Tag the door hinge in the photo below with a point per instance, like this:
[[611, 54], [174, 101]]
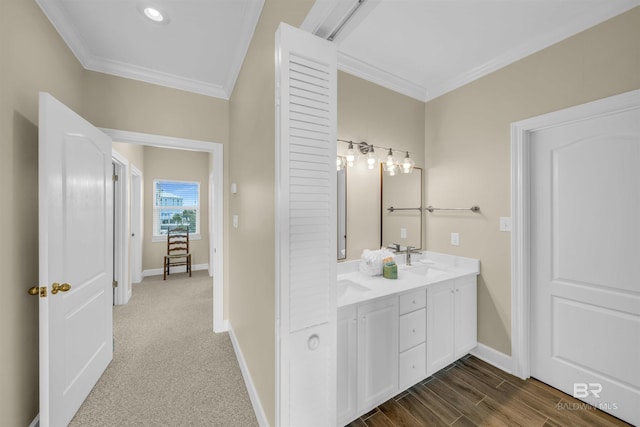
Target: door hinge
[[115, 283], [114, 177]]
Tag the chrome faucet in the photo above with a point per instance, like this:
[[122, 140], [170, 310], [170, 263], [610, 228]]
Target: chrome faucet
[[410, 250]]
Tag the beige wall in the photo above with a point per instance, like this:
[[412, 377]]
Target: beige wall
[[132, 152], [32, 58], [379, 116], [252, 154], [468, 147], [179, 165]]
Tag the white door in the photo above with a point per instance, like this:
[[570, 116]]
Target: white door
[[306, 116], [75, 232], [585, 280]]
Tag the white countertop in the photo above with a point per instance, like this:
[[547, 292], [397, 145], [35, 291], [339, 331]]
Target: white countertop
[[426, 269]]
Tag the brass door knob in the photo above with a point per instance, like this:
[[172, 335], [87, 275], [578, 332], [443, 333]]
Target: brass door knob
[[34, 290], [58, 287]]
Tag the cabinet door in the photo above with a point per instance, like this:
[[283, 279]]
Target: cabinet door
[[466, 309], [440, 326], [347, 367], [377, 352]]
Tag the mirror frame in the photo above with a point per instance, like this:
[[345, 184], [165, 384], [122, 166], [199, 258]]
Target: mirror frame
[[382, 208], [341, 210]]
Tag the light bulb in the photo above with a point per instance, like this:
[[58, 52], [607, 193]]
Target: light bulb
[[407, 164], [339, 163], [351, 155], [371, 158], [390, 160]]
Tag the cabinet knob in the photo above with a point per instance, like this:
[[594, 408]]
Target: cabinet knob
[[314, 342]]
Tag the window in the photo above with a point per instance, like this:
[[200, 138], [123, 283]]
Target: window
[[176, 204]]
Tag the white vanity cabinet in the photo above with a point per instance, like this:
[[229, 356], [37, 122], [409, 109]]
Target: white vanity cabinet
[[451, 321], [377, 352], [412, 340]]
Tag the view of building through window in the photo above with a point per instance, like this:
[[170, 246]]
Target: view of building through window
[[176, 204]]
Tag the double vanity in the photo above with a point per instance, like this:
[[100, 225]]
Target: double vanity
[[393, 333]]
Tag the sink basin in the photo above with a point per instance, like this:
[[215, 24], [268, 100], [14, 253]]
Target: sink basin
[[428, 271], [347, 287]]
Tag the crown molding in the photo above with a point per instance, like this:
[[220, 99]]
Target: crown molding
[[368, 72], [148, 75]]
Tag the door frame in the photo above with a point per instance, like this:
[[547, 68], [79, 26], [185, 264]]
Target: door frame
[[216, 204], [521, 214], [137, 211], [121, 229]]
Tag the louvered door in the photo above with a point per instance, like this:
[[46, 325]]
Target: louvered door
[[305, 229]]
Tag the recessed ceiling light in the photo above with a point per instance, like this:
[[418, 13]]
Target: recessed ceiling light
[[151, 11], [153, 14]]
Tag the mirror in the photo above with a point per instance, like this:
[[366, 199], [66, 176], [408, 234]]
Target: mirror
[[342, 213], [401, 209]]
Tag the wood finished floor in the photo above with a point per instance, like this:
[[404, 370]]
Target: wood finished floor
[[471, 392]]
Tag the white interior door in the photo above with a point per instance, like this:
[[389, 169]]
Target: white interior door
[[585, 281], [306, 116], [75, 232]]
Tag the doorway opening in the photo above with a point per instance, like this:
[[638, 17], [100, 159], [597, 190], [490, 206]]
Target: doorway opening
[[215, 217]]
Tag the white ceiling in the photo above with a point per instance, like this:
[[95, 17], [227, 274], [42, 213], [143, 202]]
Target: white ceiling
[[421, 48], [200, 50], [425, 48]]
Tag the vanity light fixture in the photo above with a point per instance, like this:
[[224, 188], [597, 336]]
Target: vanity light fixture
[[391, 166]]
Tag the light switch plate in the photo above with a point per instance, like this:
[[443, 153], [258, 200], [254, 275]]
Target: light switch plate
[[403, 233], [235, 221], [234, 188], [505, 223], [455, 239]]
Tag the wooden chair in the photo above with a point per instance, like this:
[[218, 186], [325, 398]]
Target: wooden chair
[[177, 250]]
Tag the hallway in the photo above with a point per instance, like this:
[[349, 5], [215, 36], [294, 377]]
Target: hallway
[[169, 368]]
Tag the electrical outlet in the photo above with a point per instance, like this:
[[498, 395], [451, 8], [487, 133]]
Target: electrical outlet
[[505, 223], [403, 233], [455, 239], [235, 221]]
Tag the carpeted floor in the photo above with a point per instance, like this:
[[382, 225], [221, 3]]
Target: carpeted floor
[[169, 368]]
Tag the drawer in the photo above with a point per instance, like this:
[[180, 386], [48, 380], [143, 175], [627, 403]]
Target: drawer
[[413, 301], [412, 366], [413, 329]]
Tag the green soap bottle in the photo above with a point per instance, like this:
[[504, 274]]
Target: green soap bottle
[[390, 270]]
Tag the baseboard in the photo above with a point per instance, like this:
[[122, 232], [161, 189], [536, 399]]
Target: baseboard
[[178, 269], [253, 394], [493, 357], [35, 422]]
